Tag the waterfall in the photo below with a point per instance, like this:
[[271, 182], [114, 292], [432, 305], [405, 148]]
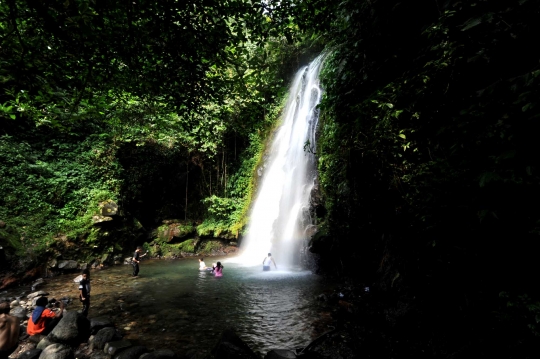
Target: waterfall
[[280, 215]]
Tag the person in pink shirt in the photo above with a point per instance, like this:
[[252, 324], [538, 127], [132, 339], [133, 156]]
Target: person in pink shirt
[[218, 270]]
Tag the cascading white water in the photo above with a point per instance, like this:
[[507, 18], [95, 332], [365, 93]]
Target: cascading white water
[[280, 213]]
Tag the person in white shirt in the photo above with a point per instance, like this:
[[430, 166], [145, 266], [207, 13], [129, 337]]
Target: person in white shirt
[[267, 261], [202, 265]]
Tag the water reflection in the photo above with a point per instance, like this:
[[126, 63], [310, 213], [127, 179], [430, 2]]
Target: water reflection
[[174, 305]]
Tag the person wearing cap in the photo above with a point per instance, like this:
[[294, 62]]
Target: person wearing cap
[[9, 331], [267, 261], [43, 319]]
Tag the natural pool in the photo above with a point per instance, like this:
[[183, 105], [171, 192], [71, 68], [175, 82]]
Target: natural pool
[[174, 305]]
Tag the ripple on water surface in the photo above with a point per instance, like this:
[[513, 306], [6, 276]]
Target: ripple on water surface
[[174, 305]]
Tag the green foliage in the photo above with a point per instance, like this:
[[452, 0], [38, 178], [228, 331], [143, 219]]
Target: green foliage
[[520, 311], [427, 152], [53, 187]]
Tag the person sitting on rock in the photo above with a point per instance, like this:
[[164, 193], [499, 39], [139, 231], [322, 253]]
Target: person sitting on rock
[[43, 319], [9, 331]]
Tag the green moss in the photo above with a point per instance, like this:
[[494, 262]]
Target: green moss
[[210, 246], [187, 246]]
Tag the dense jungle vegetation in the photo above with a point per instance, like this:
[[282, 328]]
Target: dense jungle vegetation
[[428, 152]]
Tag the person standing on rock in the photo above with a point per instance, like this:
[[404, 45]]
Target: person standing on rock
[[136, 260], [84, 292], [9, 331], [267, 261], [43, 319]]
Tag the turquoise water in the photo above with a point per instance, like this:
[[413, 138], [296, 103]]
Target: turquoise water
[[174, 305]]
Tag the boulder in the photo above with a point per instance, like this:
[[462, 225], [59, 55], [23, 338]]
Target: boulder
[[35, 338], [333, 345], [131, 353], [99, 323], [111, 348], [57, 351], [160, 354], [280, 354], [37, 294], [72, 329], [43, 343], [231, 346], [99, 219], [30, 354], [108, 208], [68, 264], [99, 355], [18, 312], [104, 336]]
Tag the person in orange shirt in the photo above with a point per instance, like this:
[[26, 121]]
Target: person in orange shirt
[[42, 319]]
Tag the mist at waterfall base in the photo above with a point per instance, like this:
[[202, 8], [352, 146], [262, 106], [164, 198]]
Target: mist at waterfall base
[[280, 219]]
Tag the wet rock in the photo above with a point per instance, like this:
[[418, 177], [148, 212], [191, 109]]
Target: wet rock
[[231, 346], [40, 293], [18, 312], [160, 354], [111, 348], [38, 282], [333, 345], [99, 323], [99, 355], [43, 343], [108, 208], [52, 263], [68, 264], [57, 351], [280, 354], [104, 336], [131, 353], [35, 338], [72, 329], [99, 219], [30, 354]]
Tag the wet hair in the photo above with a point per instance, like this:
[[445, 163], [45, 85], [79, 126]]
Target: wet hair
[[42, 301], [269, 254], [87, 272], [4, 308], [139, 247], [201, 259], [218, 265]]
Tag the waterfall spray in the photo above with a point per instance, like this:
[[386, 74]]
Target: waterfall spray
[[281, 211]]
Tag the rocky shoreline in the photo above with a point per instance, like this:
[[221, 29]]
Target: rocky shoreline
[[100, 338]]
